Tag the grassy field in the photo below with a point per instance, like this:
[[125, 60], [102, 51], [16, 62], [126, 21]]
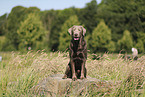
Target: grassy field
[[21, 72]]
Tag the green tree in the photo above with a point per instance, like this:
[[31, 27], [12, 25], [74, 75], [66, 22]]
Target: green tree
[[101, 38], [3, 19], [122, 15], [14, 19], [31, 33], [88, 15], [126, 41], [13, 22], [2, 42], [140, 41], [140, 46], [64, 39], [141, 36]]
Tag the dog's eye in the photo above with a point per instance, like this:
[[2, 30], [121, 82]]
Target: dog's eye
[[74, 29]]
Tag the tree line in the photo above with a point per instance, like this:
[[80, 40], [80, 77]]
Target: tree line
[[112, 25]]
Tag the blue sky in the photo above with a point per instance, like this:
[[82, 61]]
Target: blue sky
[[7, 5]]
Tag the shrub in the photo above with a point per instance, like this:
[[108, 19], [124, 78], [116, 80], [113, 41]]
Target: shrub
[[126, 41], [101, 38]]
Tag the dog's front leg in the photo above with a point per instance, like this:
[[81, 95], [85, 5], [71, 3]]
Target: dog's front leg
[[83, 69], [73, 70]]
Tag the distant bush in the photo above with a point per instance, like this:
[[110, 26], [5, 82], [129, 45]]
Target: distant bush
[[126, 41], [140, 46], [2, 41], [5, 45]]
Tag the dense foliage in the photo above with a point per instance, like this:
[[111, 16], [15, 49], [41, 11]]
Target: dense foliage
[[126, 41], [31, 33], [101, 38], [120, 18]]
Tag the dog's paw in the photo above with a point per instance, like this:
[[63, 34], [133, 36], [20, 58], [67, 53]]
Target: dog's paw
[[74, 78], [64, 77], [82, 77]]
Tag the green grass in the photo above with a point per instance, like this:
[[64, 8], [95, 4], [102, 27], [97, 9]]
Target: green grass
[[21, 72]]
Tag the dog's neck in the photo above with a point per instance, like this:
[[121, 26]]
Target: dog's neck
[[77, 45]]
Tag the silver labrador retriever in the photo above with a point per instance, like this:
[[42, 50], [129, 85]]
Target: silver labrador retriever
[[78, 54]]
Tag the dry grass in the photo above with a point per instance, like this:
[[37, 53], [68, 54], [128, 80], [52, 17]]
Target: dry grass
[[20, 72]]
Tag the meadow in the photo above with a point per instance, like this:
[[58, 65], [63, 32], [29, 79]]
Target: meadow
[[20, 72]]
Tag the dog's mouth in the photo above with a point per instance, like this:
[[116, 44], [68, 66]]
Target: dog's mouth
[[76, 38]]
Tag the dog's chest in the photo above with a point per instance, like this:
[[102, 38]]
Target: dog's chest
[[78, 55], [77, 51]]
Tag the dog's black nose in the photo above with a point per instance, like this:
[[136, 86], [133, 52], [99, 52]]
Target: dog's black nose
[[76, 35]]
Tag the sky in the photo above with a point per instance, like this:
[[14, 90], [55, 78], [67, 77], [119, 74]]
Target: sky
[[7, 5]]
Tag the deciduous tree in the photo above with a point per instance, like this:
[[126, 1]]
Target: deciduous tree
[[126, 41], [101, 38], [88, 16], [17, 15], [31, 33], [140, 46]]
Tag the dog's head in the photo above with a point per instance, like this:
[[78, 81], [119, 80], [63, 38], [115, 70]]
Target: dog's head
[[77, 32]]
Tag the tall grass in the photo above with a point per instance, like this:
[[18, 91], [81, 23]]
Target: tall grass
[[21, 72]]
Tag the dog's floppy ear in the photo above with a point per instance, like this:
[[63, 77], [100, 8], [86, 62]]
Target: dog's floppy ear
[[84, 30], [70, 30]]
